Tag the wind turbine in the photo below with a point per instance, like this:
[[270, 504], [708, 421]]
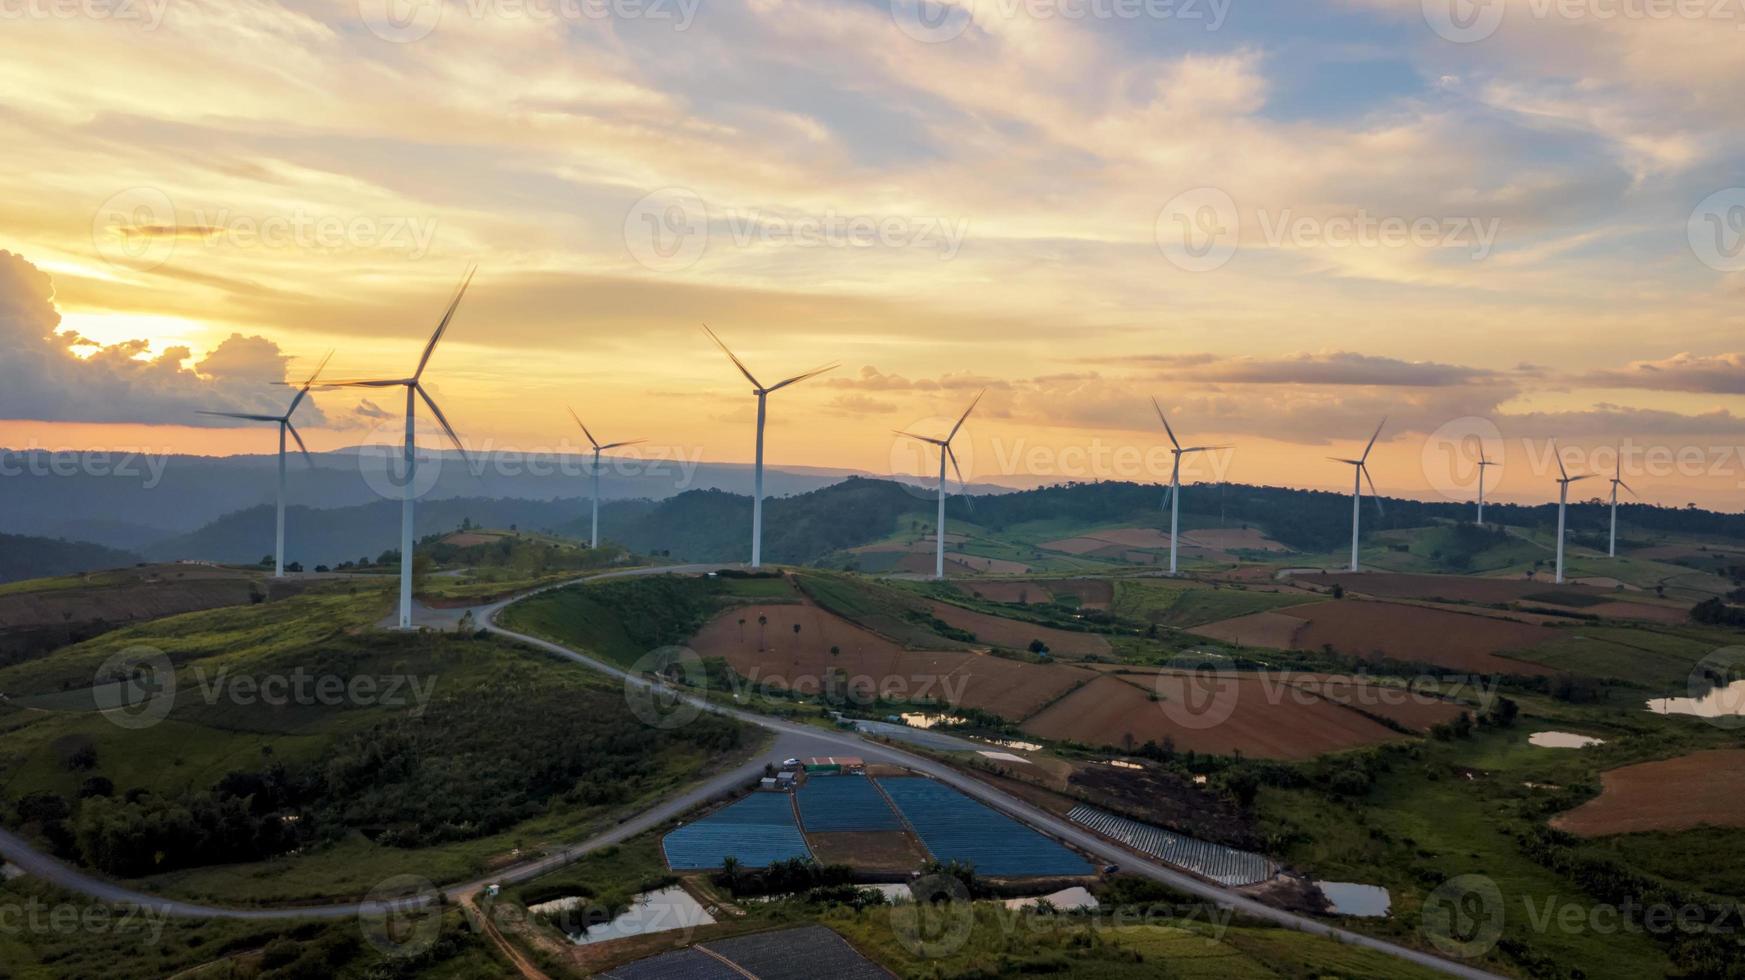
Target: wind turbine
[[762, 394], [1360, 474], [285, 426], [1172, 498], [944, 454], [1617, 481], [594, 540], [1563, 482], [1483, 464], [413, 388]]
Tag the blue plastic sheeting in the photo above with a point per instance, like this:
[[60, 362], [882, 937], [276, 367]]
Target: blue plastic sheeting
[[829, 804], [957, 828], [758, 831]]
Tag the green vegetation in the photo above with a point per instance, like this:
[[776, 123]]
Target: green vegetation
[[885, 608], [23, 557], [620, 620], [1186, 604]]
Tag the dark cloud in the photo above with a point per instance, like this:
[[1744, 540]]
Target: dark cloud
[[42, 378], [1720, 374], [1333, 368]]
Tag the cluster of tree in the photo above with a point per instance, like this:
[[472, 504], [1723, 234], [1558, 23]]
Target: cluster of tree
[[791, 877], [24, 557], [1717, 612], [528, 556]]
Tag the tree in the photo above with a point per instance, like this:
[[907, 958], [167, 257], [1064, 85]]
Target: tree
[[1037, 646], [796, 636], [762, 622]]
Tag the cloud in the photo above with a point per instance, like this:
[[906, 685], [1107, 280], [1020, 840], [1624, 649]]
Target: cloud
[[1719, 374], [1329, 368], [43, 378], [858, 405]]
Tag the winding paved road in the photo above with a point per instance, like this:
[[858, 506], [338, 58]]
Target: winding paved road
[[790, 740]]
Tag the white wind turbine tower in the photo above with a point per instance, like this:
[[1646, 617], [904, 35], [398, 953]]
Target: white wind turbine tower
[[944, 454], [594, 539], [1172, 498], [284, 422], [1617, 481], [762, 394], [1563, 482], [1360, 474], [1483, 464], [414, 390]]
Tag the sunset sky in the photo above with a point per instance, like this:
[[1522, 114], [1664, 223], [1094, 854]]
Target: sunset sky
[[1282, 219]]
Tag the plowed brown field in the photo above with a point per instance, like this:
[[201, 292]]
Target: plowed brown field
[[1237, 713], [1703, 788], [866, 661], [1013, 635], [1418, 634]]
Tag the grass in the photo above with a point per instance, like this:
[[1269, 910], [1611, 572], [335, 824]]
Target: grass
[[1658, 658], [1185, 604]]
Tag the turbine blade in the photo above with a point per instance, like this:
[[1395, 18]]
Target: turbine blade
[[1160, 417], [1373, 438], [303, 392], [318, 369], [911, 435], [962, 486], [1347, 462], [736, 361], [442, 328], [965, 415], [1168, 494], [444, 420], [1557, 454], [1373, 493], [240, 415], [373, 383], [1203, 449], [591, 440], [310, 460], [796, 379], [620, 445]]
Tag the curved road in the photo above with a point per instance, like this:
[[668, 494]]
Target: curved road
[[790, 740]]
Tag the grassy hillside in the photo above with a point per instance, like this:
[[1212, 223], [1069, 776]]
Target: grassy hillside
[[382, 752]]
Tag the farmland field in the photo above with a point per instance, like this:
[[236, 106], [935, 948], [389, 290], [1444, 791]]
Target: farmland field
[[1014, 635], [1700, 789], [1419, 635]]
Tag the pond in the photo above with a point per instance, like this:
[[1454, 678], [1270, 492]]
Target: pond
[[1719, 702], [651, 912], [1064, 900], [928, 721], [1351, 898], [1563, 740]]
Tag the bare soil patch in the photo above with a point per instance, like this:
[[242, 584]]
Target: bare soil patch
[[1092, 593], [1226, 539], [1031, 593], [1377, 630], [884, 850], [987, 566], [1075, 546], [1700, 789], [866, 662], [1239, 714], [1272, 630], [1014, 635]]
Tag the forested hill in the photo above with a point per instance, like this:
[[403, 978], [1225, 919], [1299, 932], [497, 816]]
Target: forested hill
[[714, 525], [23, 557]]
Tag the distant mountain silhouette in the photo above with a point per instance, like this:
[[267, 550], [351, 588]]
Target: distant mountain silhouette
[[23, 557]]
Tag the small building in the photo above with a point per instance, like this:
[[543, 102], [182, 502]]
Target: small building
[[767, 782], [785, 779]]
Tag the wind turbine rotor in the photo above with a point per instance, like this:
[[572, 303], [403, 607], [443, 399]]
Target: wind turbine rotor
[[442, 328], [756, 385]]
